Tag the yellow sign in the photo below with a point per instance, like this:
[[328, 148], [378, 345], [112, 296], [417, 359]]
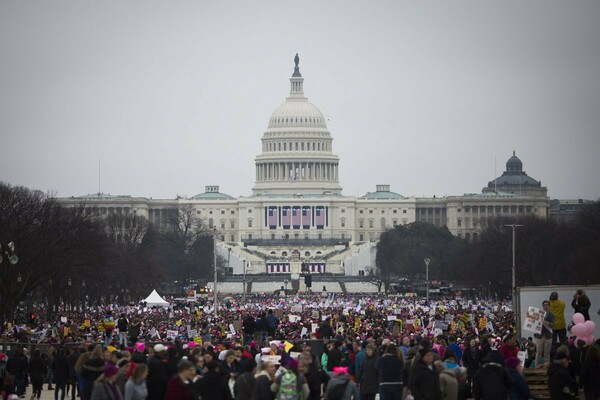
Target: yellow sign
[[288, 346], [198, 341], [482, 323], [87, 323], [178, 323]]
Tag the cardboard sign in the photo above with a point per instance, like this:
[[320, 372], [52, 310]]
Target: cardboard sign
[[522, 355], [533, 320], [273, 359], [172, 334], [293, 318], [314, 327], [192, 333], [304, 332]]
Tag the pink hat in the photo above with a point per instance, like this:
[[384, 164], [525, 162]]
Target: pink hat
[[139, 346]]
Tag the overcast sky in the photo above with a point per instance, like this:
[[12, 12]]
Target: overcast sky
[[175, 95]]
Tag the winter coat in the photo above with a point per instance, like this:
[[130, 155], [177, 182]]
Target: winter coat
[[37, 371], [589, 379], [334, 358], [368, 375], [561, 384], [520, 390], [471, 360], [448, 385], [60, 369], [158, 378], [244, 385], [177, 390], [212, 386], [17, 366], [492, 382], [581, 304], [557, 308], [106, 391], [262, 387], [424, 383], [351, 391], [390, 369]]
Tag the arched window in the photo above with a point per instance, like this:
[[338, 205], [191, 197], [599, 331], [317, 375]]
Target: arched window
[[284, 254], [307, 254]]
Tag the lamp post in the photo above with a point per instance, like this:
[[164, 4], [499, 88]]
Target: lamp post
[[215, 266], [514, 275], [83, 290], [427, 261], [285, 282], [69, 282], [244, 282]]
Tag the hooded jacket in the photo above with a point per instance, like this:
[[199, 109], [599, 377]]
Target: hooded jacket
[[491, 382], [560, 382]]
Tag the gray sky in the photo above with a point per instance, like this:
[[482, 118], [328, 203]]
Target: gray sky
[[175, 95]]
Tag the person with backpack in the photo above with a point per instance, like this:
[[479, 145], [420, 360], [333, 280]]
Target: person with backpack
[[291, 385], [340, 387]]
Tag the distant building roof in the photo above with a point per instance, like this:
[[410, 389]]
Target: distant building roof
[[105, 196], [383, 193], [212, 193]]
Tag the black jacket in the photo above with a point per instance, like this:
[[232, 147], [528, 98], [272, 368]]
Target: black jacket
[[158, 378], [368, 376], [244, 385], [262, 388], [491, 382], [471, 360], [424, 382], [17, 366], [60, 369], [561, 384], [334, 358], [589, 379]]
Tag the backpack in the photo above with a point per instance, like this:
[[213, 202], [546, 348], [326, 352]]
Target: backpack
[[337, 391], [288, 387]]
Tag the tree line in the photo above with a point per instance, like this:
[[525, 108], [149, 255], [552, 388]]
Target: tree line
[[546, 252], [70, 255]]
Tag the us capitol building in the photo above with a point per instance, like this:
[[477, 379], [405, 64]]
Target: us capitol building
[[297, 215]]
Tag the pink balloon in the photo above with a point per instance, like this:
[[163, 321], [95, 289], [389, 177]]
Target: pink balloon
[[579, 330], [578, 318], [590, 340], [590, 326]]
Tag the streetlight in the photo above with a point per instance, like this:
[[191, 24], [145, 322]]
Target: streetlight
[[285, 282], [215, 265], [514, 272], [83, 291], [69, 293], [427, 261], [244, 282]]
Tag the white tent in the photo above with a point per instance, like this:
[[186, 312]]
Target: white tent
[[155, 300]]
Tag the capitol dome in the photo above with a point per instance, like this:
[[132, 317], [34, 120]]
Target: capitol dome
[[297, 114], [297, 156]]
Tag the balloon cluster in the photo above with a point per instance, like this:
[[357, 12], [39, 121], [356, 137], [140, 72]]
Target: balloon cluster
[[583, 330]]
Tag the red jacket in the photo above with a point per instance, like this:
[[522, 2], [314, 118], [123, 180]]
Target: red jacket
[[177, 390]]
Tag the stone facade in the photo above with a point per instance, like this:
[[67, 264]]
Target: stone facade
[[297, 214]]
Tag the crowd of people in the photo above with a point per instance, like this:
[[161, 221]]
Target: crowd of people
[[297, 347]]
